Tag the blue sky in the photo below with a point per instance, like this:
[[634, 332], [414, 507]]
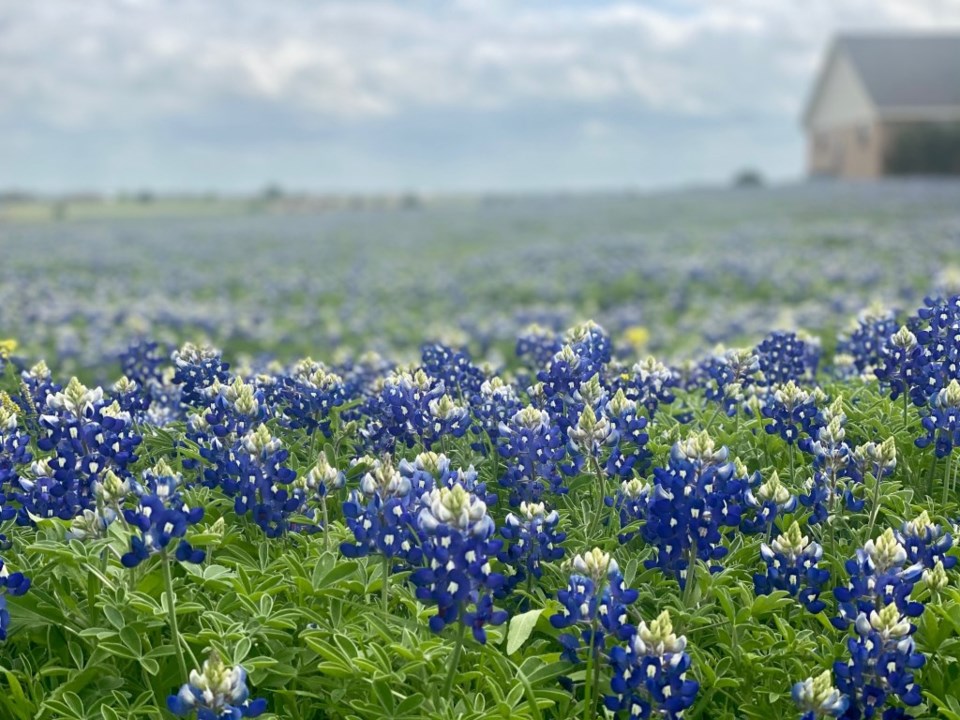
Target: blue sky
[[361, 95]]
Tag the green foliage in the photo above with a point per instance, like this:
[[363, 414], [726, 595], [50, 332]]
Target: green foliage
[[92, 639]]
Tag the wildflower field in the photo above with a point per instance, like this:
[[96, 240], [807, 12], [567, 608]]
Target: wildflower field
[[521, 476]]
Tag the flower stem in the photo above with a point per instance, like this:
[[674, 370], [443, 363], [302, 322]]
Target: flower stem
[[457, 652], [172, 613], [385, 588], [691, 578], [588, 678], [326, 524]]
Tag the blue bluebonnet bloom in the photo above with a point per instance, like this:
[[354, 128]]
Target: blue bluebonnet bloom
[[308, 395], [218, 692], [37, 383], [532, 538], [942, 424], [496, 402], [901, 363], [791, 410], [783, 357], [650, 674], [595, 601], [255, 475], [628, 441], [400, 411], [10, 584], [937, 329], [537, 344], [141, 361], [161, 517], [692, 499], [763, 501], [791, 561], [381, 515], [817, 698], [835, 473], [312, 488], [197, 368], [630, 503], [652, 384], [926, 543], [534, 448], [14, 452], [867, 339], [87, 437], [879, 575], [880, 668], [727, 377], [454, 367], [457, 548]]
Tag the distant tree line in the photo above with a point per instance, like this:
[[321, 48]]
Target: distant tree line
[[928, 149]]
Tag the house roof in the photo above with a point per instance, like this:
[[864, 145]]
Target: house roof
[[901, 73]]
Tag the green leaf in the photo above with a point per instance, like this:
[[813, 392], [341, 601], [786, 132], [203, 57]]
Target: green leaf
[[521, 626]]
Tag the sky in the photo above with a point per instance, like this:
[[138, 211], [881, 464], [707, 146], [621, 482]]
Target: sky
[[430, 96]]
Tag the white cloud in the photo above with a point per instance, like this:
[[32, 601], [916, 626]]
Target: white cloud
[[113, 65]]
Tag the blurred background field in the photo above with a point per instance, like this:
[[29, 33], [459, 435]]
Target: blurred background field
[[670, 273]]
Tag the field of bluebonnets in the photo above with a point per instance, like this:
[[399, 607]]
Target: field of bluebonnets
[[519, 477]]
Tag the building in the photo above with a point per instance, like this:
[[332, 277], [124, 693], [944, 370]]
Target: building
[[875, 91]]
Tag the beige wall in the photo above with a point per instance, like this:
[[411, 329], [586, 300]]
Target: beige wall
[[850, 151]]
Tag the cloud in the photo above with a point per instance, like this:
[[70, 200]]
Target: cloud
[[155, 68]]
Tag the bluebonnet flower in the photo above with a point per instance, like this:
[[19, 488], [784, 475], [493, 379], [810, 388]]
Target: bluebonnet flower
[[400, 411], [628, 441], [835, 472], [88, 437], [161, 517], [430, 470], [532, 538], [496, 402], [381, 515], [14, 452], [197, 367], [901, 363], [447, 418], [942, 424], [791, 561], [590, 434], [537, 344], [880, 668], [457, 547], [37, 383], [10, 584], [454, 367], [926, 543], [727, 377], [763, 501], [817, 698], [560, 382], [692, 499], [650, 674], [630, 503], [652, 384], [533, 446], [218, 692], [783, 357], [879, 575], [308, 395], [595, 601], [313, 487], [141, 361], [791, 410], [254, 474], [867, 339]]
